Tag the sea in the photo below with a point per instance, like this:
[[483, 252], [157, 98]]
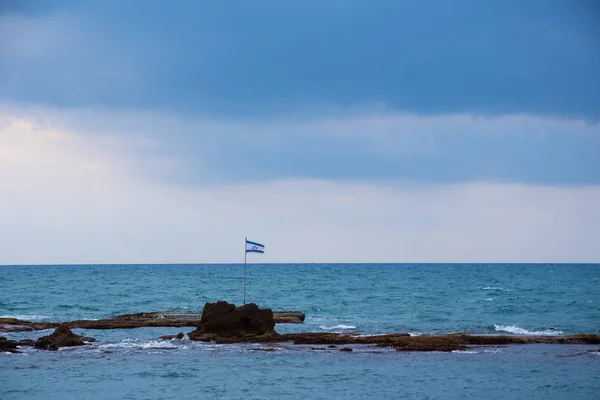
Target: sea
[[360, 299]]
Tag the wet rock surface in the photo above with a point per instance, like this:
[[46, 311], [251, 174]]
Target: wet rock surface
[[448, 342], [62, 337]]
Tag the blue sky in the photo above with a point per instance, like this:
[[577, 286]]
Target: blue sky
[[412, 94]]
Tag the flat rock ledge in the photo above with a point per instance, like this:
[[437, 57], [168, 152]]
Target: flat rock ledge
[[139, 320], [447, 342]]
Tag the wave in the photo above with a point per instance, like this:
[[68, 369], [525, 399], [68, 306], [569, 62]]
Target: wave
[[340, 326], [488, 299], [143, 345], [520, 331], [495, 288], [26, 317]]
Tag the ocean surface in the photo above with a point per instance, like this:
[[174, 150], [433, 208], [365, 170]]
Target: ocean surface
[[353, 298]]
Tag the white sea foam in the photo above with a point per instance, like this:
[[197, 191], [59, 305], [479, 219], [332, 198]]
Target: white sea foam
[[488, 299], [414, 333], [465, 351], [340, 326], [520, 331], [492, 351], [498, 289], [26, 317], [13, 354], [142, 345]]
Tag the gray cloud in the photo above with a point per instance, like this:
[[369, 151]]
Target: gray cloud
[[75, 198]]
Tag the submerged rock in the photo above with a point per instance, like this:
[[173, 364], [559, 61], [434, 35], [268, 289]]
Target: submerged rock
[[62, 337], [224, 322], [8, 346], [180, 335]]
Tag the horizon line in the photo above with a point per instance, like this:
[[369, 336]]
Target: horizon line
[[300, 263]]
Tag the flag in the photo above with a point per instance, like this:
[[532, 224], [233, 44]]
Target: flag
[[253, 247]]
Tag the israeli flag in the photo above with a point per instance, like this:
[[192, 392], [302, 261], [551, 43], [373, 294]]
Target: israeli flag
[[253, 247]]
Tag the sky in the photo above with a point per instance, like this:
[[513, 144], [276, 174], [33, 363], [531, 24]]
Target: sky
[[330, 131]]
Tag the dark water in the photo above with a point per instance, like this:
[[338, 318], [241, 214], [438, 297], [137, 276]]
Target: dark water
[[361, 299]]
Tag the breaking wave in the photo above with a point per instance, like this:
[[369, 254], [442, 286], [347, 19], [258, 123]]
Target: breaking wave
[[26, 317], [340, 326], [520, 331], [143, 345]]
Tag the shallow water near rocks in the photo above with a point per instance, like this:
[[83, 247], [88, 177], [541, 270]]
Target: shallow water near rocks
[[359, 299]]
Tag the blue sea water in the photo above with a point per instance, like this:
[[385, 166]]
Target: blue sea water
[[353, 298]]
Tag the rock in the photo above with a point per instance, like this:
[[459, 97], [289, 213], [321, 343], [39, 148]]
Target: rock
[[180, 335], [62, 337], [8, 346], [225, 323], [27, 342], [346, 349]]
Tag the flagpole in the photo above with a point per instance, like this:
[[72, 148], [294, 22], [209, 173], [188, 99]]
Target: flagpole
[[245, 256]]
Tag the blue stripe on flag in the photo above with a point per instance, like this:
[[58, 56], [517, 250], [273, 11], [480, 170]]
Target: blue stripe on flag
[[254, 243], [255, 251]]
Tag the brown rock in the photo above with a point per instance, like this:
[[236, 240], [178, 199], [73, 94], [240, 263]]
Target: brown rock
[[62, 337], [225, 323]]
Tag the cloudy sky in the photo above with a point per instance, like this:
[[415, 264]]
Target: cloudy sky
[[329, 130]]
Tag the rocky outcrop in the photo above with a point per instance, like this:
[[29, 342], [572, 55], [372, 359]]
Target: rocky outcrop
[[225, 323], [62, 337]]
